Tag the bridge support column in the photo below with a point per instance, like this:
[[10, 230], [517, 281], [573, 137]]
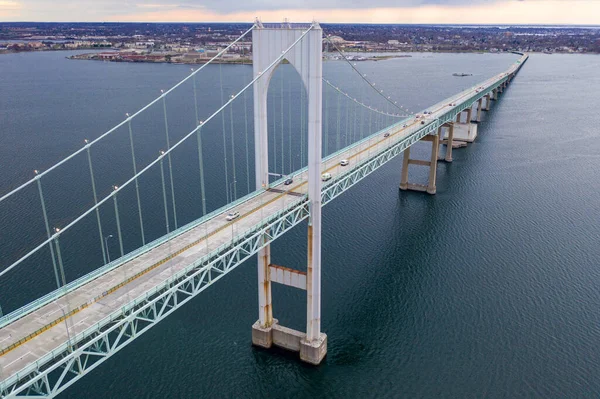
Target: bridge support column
[[404, 177], [487, 102], [479, 108], [448, 140], [435, 148], [432, 163], [306, 57], [495, 94], [469, 119], [262, 330]]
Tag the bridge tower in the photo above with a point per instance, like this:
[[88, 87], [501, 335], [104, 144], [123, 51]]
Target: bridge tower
[[268, 43]]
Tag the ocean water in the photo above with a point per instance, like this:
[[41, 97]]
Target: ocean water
[[487, 289]]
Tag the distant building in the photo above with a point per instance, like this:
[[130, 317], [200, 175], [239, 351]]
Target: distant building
[[393, 42]]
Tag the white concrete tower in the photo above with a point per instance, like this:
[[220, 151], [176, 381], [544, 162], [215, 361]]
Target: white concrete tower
[[268, 43]]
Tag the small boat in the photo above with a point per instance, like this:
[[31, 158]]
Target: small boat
[[462, 74]]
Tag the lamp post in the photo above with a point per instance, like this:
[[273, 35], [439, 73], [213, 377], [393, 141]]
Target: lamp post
[[106, 246], [66, 324]]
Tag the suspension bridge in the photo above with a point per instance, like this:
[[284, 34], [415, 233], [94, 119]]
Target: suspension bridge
[[308, 149]]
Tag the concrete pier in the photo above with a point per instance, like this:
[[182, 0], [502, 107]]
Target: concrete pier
[[447, 138], [311, 352], [465, 132], [430, 188], [479, 108]]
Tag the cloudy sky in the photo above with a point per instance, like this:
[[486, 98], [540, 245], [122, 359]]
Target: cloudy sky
[[584, 12]]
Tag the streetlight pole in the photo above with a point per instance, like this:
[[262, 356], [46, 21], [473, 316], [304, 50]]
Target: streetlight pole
[[106, 245], [66, 324]]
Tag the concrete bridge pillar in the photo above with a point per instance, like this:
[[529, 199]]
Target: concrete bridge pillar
[[268, 44], [487, 101], [479, 108], [495, 94], [430, 188], [448, 140], [469, 119]]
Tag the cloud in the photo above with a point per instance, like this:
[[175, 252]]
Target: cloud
[[501, 12], [353, 11], [10, 5], [9, 9], [154, 5]]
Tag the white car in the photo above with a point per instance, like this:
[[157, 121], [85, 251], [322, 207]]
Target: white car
[[344, 162], [232, 215], [326, 176]]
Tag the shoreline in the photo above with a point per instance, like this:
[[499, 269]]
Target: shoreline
[[389, 54]]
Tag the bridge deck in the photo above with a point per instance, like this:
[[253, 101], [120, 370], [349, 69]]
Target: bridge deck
[[104, 295]]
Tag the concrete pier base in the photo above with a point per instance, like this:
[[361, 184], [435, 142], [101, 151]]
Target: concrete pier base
[[432, 164], [464, 132], [313, 352], [290, 339], [263, 336]]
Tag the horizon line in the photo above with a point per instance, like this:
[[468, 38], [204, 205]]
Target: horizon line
[[320, 22]]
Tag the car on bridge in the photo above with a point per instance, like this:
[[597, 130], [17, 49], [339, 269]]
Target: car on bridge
[[326, 176], [232, 215], [344, 162], [386, 134], [288, 181]]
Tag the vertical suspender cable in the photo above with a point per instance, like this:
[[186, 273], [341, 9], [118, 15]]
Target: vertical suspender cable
[[354, 121], [326, 122], [60, 261], [301, 123], [118, 224], [137, 187], [39, 184], [200, 155], [302, 113], [201, 162], [247, 153], [234, 191], [281, 109], [346, 133], [339, 118], [164, 190], [362, 122], [170, 164], [290, 126], [224, 140], [89, 156], [274, 131]]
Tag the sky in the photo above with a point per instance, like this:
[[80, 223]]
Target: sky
[[578, 12]]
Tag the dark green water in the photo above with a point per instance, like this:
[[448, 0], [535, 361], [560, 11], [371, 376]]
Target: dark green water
[[487, 289]]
